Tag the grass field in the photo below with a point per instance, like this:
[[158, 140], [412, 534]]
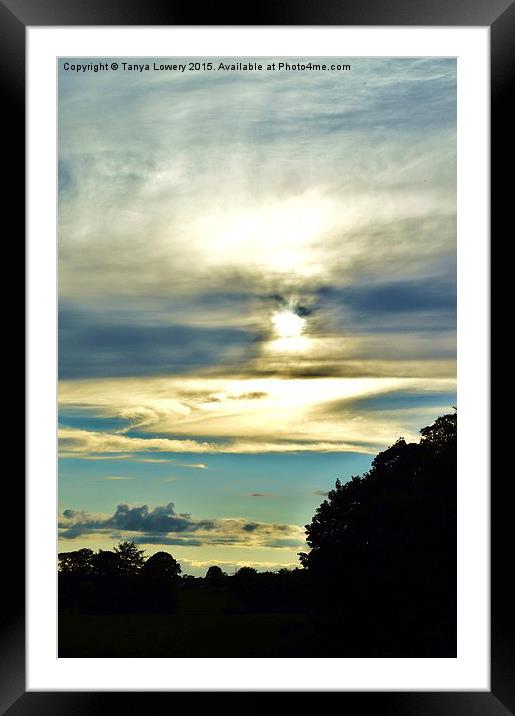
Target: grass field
[[186, 635]]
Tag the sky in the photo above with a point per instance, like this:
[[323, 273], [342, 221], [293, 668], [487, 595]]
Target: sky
[[257, 293]]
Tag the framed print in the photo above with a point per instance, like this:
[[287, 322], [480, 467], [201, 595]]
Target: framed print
[[258, 299]]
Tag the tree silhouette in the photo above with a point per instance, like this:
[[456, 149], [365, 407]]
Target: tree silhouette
[[384, 545], [246, 574], [383, 509], [441, 435], [161, 565], [130, 558], [78, 562], [215, 575], [106, 563]]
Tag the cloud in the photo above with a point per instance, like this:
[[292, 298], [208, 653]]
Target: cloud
[[199, 568], [401, 296], [74, 440], [80, 443], [260, 494], [165, 415], [322, 493], [99, 342], [117, 477], [311, 180], [162, 518], [256, 395], [250, 526], [165, 540], [162, 524], [150, 460]]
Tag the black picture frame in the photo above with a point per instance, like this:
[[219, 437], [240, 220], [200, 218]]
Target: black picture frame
[[499, 16]]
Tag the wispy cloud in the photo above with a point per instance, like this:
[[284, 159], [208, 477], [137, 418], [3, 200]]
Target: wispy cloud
[[293, 415], [117, 477], [318, 182], [78, 442]]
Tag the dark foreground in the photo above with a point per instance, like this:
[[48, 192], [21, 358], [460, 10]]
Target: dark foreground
[[233, 635], [185, 635]]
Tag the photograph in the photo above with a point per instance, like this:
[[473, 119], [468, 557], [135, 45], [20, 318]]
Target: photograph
[[257, 357]]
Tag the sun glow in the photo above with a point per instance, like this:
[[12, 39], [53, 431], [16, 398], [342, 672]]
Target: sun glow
[[288, 324], [277, 236]]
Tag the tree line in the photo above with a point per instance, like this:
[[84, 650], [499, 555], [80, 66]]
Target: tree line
[[124, 561]]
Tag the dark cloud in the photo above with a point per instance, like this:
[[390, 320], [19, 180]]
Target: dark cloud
[[161, 519], [163, 525], [165, 539], [395, 400], [255, 395], [423, 304], [302, 307], [250, 526], [404, 400], [260, 494], [100, 342], [322, 493], [77, 531], [393, 297], [65, 179], [285, 543], [369, 367]]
